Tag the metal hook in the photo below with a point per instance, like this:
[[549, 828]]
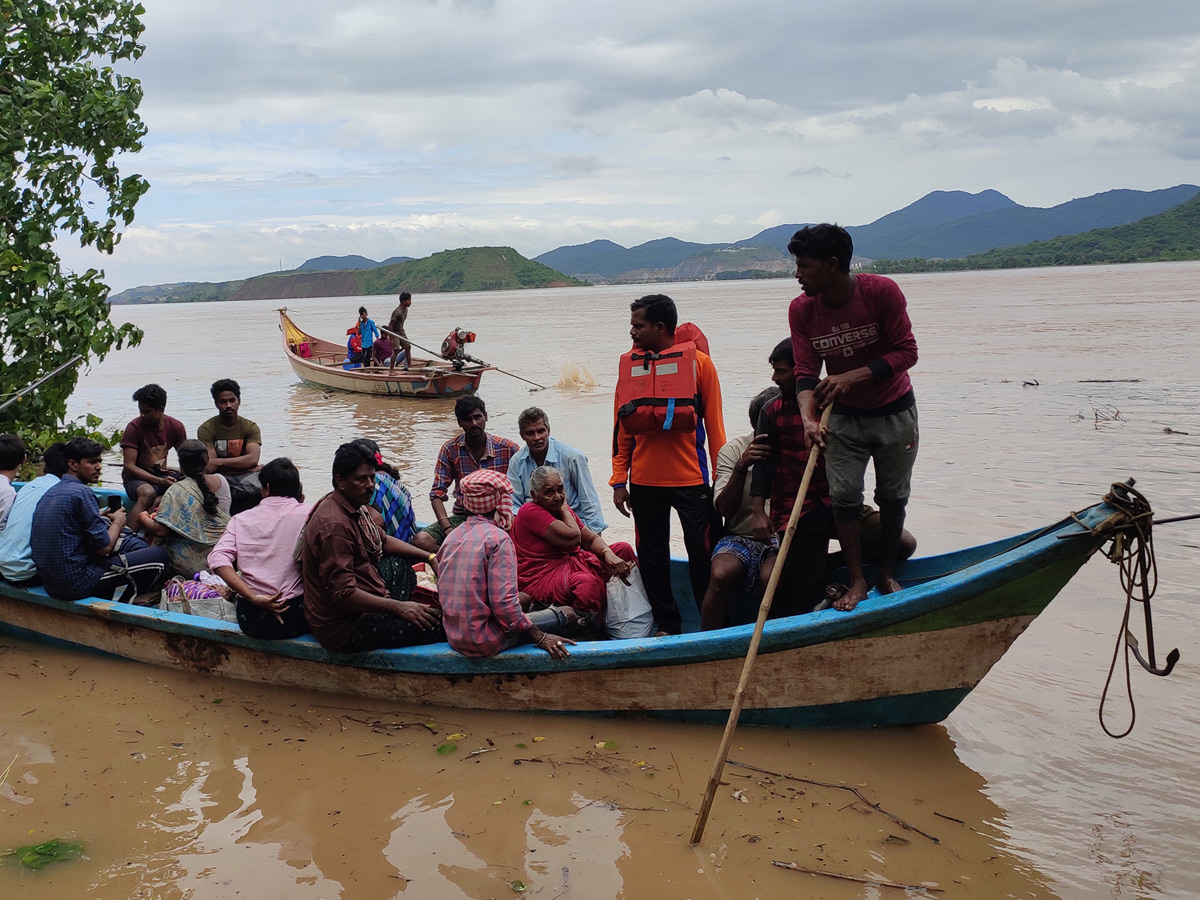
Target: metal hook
[[1172, 657]]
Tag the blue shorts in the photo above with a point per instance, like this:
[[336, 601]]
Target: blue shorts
[[750, 553]]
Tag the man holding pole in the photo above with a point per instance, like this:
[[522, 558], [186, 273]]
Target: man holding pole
[[857, 326], [396, 329]]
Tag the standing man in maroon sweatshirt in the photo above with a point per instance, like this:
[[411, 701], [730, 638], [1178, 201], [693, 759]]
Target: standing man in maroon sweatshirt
[[857, 326]]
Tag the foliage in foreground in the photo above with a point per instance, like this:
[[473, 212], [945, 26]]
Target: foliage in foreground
[[66, 116]]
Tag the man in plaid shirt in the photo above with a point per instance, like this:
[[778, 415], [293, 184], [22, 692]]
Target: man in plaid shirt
[[477, 579], [778, 477], [471, 451]]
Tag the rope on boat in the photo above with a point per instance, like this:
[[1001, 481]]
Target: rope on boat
[[1132, 549]]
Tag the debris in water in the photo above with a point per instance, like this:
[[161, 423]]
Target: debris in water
[[38, 856]]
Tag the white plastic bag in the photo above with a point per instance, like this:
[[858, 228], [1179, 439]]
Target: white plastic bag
[[628, 614]]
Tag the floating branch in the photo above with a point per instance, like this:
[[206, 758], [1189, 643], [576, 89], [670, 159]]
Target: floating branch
[[841, 787], [872, 881]]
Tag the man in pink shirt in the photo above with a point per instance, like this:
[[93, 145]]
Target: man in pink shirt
[[857, 326], [477, 578], [256, 557]]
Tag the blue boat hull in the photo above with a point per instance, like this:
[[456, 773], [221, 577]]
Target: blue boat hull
[[907, 658]]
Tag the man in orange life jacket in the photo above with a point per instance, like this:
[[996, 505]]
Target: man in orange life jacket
[[667, 404]]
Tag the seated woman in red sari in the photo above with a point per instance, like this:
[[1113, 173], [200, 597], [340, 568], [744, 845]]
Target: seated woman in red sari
[[560, 561]]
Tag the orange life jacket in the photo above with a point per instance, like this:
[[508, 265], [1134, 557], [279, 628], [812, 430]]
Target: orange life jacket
[[658, 392], [689, 331]]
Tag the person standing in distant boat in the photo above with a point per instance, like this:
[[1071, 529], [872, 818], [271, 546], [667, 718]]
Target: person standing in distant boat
[[857, 326], [399, 336], [368, 333]]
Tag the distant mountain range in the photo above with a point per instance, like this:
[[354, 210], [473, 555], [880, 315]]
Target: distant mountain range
[[943, 224], [1170, 235], [470, 269]]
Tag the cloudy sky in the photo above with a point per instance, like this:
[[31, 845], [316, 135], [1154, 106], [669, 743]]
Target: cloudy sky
[[284, 130]]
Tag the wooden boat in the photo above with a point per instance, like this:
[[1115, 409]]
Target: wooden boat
[[321, 363], [907, 658]]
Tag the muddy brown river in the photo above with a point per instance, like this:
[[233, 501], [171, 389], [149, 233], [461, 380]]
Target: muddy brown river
[[1036, 389]]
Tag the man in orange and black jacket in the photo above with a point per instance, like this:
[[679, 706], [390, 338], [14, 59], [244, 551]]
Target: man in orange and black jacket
[[667, 406]]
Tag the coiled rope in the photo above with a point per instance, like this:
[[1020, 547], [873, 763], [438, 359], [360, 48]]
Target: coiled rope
[[1132, 549]]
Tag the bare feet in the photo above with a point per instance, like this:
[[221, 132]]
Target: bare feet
[[852, 597], [887, 584]]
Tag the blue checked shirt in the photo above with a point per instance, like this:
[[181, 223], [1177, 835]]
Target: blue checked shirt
[[68, 535], [572, 464]]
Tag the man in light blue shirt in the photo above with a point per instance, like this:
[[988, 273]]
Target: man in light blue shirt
[[542, 450], [16, 557]]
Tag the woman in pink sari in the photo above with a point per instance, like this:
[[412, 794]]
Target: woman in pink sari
[[560, 561]]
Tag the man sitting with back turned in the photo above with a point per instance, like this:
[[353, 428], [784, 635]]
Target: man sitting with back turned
[[471, 451], [78, 551], [144, 447], [16, 556], [256, 557], [346, 602], [542, 450], [234, 445]]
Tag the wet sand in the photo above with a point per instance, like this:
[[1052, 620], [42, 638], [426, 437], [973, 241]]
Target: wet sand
[[188, 786], [185, 786]]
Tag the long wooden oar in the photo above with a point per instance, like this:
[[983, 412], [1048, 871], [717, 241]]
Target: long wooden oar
[[540, 387], [764, 608]]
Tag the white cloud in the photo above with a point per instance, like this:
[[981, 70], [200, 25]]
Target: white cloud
[[407, 126]]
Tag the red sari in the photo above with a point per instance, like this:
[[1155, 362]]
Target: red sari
[[574, 578]]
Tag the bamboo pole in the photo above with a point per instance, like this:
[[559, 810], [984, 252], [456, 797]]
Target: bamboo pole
[[764, 608]]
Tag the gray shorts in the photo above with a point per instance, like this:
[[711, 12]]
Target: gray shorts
[[891, 441]]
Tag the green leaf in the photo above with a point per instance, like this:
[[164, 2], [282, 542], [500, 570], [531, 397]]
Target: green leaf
[[66, 117], [446, 749], [38, 856]]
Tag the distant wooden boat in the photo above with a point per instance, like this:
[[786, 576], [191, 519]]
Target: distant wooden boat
[[322, 363], [907, 658]]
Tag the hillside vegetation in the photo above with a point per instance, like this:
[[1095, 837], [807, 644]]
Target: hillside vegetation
[[470, 269], [1170, 235]]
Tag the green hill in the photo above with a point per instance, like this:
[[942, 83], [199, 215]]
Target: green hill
[[470, 269], [1170, 235]]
